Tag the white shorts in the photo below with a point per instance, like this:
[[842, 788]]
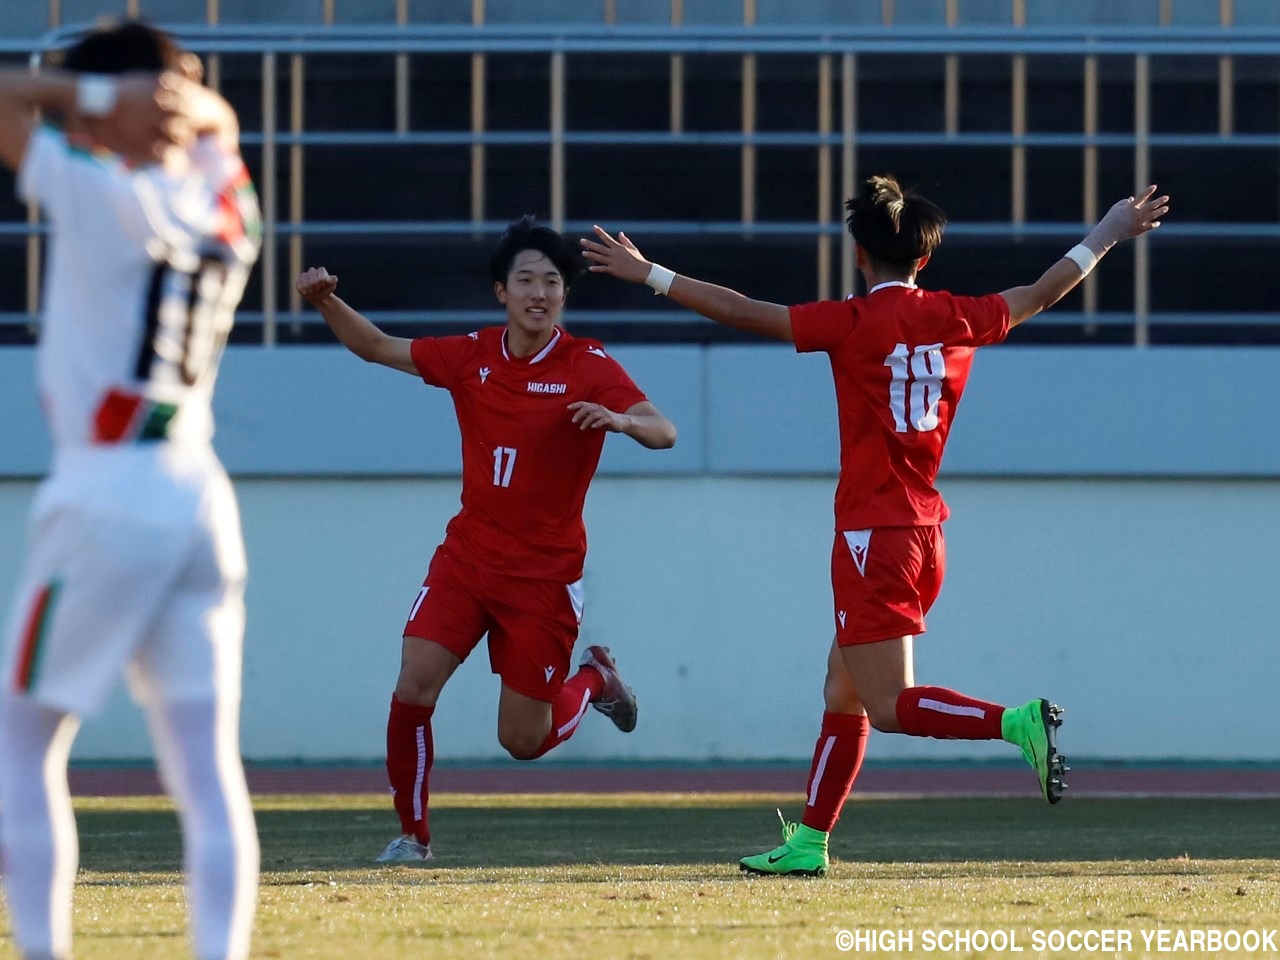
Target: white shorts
[[135, 562]]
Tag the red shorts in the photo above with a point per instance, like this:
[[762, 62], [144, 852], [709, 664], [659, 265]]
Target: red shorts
[[532, 624], [884, 581]]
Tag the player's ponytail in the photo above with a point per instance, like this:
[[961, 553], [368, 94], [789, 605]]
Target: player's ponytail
[[894, 226]]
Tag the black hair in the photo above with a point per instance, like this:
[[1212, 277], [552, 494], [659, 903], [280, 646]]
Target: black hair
[[894, 226], [125, 47], [527, 234]]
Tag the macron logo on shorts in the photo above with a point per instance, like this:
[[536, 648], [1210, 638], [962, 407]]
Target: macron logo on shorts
[[550, 672], [859, 542], [840, 616]]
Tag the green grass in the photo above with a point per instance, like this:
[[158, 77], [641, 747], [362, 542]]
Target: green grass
[[655, 875]]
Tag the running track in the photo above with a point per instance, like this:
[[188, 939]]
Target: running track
[[1246, 781]]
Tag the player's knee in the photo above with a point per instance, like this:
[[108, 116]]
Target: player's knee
[[521, 744], [884, 715], [416, 690], [839, 695]]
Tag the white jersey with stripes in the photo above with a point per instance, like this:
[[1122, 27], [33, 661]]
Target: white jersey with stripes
[[145, 270]]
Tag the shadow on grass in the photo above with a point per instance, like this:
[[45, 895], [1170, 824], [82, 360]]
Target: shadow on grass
[[924, 831]]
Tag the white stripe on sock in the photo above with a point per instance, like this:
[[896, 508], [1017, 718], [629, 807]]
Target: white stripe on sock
[[954, 709], [817, 774], [420, 734], [582, 708]]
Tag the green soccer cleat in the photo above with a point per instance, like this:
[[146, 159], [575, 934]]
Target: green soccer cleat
[[803, 854], [1033, 728]]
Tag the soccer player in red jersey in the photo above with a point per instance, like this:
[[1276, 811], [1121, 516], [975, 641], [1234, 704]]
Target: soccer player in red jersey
[[533, 404], [900, 357]]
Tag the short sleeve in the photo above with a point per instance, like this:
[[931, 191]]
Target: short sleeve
[[611, 385], [821, 326], [41, 165], [986, 317], [438, 359], [75, 185], [222, 168]]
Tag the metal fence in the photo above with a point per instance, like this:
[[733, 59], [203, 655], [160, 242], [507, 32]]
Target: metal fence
[[1229, 60], [37, 15]]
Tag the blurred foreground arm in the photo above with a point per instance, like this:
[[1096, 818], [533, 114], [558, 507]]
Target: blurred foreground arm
[[136, 100], [206, 113]]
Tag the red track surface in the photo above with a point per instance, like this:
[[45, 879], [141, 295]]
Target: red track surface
[[517, 778]]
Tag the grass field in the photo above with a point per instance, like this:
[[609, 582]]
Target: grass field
[[654, 876]]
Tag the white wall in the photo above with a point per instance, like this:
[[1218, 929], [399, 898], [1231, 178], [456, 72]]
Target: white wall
[[757, 409], [1148, 608]]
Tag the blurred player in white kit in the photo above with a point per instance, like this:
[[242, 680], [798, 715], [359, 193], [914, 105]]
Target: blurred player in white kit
[[135, 560]]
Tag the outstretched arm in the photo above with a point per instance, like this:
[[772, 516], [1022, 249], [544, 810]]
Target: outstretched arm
[[621, 258], [1126, 219], [355, 332], [643, 423]]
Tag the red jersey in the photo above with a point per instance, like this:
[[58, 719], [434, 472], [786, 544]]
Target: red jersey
[[900, 357], [525, 465]]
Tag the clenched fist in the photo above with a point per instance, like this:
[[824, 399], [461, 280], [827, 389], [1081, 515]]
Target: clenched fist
[[316, 285]]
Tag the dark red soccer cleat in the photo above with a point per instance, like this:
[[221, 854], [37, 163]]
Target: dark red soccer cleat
[[616, 701]]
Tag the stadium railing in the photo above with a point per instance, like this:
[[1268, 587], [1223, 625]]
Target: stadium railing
[[1084, 58]]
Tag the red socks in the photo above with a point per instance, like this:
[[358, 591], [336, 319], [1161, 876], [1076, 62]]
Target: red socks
[[842, 743], [946, 715], [410, 753], [836, 760], [569, 706], [410, 750]]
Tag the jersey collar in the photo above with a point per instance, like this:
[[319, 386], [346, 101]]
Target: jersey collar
[[892, 283], [540, 355]]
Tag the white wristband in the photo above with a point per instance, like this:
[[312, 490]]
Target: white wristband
[[1083, 257], [95, 95], [660, 279]]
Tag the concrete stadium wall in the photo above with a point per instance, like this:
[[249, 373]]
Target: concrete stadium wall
[[1147, 608], [1112, 547], [1029, 411]]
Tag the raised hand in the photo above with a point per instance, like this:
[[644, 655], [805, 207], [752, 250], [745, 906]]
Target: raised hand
[[1129, 218], [316, 285], [148, 117], [619, 257]]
